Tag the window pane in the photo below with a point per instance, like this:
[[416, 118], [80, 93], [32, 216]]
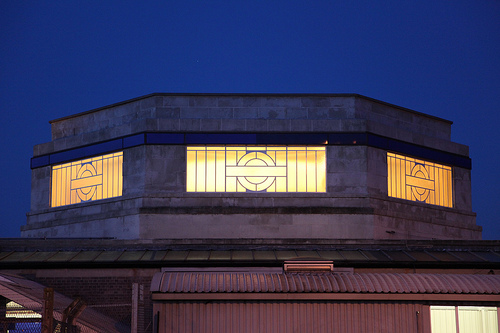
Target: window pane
[[87, 180], [443, 319], [475, 319], [256, 169], [471, 319], [417, 180]]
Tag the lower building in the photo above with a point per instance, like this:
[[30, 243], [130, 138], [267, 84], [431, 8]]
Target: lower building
[[258, 285]]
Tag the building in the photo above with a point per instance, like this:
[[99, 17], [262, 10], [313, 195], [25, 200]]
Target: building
[[256, 212], [160, 189]]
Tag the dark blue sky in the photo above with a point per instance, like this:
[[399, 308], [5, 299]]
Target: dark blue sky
[[439, 57]]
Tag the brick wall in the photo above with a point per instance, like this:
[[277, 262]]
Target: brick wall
[[106, 291]]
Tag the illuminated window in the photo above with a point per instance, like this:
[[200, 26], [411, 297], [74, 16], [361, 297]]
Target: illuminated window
[[475, 319], [256, 169], [86, 180], [14, 310], [17, 318], [417, 180]]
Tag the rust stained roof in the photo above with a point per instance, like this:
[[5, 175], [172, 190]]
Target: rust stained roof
[[260, 282]]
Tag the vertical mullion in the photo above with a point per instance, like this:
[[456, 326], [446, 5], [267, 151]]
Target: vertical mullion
[[286, 174], [120, 174], [316, 167]]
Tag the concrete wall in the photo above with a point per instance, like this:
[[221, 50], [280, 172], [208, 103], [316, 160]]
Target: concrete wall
[[155, 204]]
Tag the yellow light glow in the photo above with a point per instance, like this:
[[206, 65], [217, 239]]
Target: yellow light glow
[[417, 180], [14, 310], [256, 169], [87, 180]]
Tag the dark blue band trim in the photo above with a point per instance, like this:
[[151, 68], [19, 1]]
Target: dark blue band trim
[[221, 138], [40, 161], [358, 139], [134, 140], [77, 153], [165, 138]]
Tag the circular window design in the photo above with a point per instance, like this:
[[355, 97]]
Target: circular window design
[[257, 175], [86, 193], [420, 193]]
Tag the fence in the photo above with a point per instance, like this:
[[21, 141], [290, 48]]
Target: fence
[[15, 318]]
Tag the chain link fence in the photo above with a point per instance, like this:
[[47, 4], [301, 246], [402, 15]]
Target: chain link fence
[[26, 306], [15, 318]]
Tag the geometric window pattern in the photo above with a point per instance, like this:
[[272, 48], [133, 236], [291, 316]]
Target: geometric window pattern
[[87, 180], [255, 169], [418, 180]]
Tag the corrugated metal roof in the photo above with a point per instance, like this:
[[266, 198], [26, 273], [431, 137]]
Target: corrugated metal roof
[[261, 282]]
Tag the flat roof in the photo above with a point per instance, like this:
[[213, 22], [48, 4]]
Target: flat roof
[[67, 252]]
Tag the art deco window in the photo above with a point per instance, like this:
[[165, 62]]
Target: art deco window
[[86, 180], [418, 180], [256, 169]]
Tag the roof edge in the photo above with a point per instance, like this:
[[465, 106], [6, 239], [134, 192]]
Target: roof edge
[[354, 95], [325, 283], [28, 243]]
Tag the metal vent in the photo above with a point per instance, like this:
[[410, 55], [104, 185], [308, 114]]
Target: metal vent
[[308, 266]]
